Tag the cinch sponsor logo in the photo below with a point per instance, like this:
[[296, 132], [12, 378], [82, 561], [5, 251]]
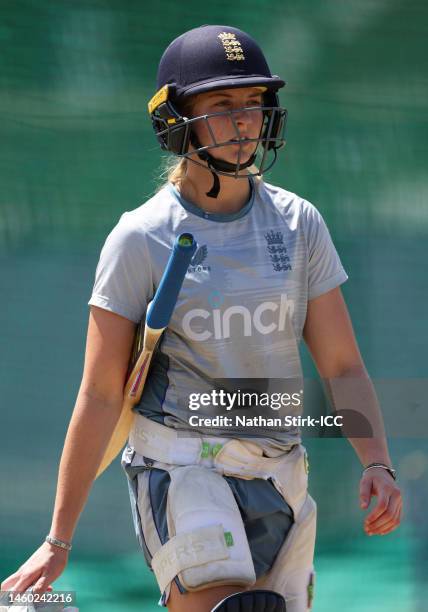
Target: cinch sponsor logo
[[267, 318]]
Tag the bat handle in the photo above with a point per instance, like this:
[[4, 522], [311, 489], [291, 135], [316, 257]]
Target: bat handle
[[160, 309]]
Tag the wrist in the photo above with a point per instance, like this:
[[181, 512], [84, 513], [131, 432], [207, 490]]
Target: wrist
[[61, 527], [57, 543], [383, 466]]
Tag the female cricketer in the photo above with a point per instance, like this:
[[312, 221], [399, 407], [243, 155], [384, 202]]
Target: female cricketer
[[223, 515]]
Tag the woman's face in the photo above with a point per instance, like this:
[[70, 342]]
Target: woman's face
[[248, 122]]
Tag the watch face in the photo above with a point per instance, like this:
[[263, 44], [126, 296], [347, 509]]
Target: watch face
[[390, 471]]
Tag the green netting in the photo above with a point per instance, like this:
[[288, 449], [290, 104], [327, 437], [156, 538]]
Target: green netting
[[76, 150]]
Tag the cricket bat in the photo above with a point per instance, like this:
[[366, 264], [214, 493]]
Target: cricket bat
[[159, 313]]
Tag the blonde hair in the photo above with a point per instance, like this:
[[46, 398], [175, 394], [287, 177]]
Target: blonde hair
[[177, 171], [173, 171]]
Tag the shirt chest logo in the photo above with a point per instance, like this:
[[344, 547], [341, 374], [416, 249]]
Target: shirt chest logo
[[196, 263], [277, 251]]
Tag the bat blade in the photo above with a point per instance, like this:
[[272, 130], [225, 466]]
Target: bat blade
[[159, 313]]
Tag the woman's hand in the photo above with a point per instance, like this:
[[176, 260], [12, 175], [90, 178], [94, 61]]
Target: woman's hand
[[386, 514], [44, 566]]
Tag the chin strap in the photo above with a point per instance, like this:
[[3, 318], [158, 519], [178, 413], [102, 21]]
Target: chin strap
[[215, 189], [218, 164]]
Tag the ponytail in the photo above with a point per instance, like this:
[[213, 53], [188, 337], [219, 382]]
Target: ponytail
[[177, 171]]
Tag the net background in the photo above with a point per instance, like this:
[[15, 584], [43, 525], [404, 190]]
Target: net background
[[77, 150]]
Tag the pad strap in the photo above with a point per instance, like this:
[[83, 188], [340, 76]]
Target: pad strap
[[259, 600], [189, 550], [161, 443], [168, 445]]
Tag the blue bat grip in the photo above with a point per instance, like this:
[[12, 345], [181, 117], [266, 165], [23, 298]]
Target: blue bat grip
[[160, 310]]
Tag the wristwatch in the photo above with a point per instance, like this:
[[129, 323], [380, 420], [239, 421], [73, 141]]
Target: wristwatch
[[390, 470]]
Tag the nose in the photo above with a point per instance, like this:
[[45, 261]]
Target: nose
[[242, 116], [241, 120]]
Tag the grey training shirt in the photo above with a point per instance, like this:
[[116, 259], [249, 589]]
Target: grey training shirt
[[241, 310]]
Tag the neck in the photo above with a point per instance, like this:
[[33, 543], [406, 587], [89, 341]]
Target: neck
[[233, 195]]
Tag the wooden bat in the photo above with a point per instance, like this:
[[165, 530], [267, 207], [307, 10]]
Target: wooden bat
[[158, 316]]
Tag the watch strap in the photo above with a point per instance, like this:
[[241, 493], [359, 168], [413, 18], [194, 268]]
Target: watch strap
[[389, 469]]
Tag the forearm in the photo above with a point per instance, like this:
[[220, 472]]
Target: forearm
[[352, 394], [371, 450], [88, 434]]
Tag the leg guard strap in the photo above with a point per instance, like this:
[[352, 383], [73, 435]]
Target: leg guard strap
[[258, 600], [188, 550]]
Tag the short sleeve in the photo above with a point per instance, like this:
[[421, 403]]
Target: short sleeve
[[325, 270], [123, 278]]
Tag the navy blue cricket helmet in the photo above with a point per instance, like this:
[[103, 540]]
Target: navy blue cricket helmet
[[205, 59]]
